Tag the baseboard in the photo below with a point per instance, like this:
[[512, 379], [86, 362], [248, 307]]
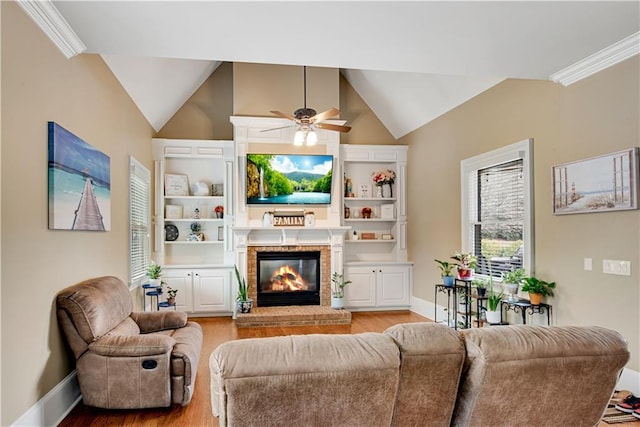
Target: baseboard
[[629, 380], [428, 309], [54, 406]]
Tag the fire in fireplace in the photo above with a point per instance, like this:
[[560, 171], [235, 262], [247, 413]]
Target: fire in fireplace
[[288, 278]]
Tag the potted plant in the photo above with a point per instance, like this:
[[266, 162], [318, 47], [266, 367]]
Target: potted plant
[[446, 272], [537, 289], [337, 290], [154, 272], [171, 295], [466, 263], [494, 312], [481, 287], [511, 281], [243, 302]]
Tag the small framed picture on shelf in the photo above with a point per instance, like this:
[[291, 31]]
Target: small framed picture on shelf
[[220, 233], [217, 189], [386, 211], [176, 185], [173, 212], [365, 190]]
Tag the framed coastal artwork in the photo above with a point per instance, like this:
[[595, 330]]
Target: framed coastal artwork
[[79, 183], [600, 184]]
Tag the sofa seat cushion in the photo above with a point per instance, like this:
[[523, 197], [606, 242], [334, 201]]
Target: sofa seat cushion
[[310, 380]]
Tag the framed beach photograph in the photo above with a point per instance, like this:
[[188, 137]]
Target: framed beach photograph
[[599, 184], [79, 183], [176, 185]]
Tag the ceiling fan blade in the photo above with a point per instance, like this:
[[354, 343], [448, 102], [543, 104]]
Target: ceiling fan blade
[[282, 127], [337, 128], [283, 115], [332, 112]]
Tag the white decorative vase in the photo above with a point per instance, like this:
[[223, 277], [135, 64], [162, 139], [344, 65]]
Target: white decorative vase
[[337, 303], [493, 316]]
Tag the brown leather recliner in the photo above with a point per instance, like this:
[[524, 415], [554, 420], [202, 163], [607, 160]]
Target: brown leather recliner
[[127, 359]]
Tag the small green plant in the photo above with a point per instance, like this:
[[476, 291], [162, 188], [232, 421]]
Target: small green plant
[[446, 268], [242, 286], [465, 259], [479, 283], [154, 271], [195, 227], [338, 284], [493, 301], [514, 276], [171, 292], [533, 285]]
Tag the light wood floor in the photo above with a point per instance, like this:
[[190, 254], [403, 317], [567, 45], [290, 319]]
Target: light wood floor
[[217, 330]]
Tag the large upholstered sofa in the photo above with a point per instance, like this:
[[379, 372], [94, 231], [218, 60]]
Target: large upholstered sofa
[[127, 359], [420, 374]]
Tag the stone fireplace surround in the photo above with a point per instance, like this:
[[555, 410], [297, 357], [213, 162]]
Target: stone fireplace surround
[[325, 268]]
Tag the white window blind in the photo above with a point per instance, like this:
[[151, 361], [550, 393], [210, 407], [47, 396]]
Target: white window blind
[[139, 220], [498, 209]]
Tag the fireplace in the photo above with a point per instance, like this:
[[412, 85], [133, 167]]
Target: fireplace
[[288, 278]]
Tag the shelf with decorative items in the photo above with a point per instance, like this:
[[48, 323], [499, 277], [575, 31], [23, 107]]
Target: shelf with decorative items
[[192, 215], [374, 206]]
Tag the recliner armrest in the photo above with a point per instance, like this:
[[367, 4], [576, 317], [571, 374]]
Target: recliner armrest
[[154, 321], [132, 345]]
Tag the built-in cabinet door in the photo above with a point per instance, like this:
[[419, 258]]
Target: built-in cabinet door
[[393, 286], [182, 281], [362, 290], [211, 290]]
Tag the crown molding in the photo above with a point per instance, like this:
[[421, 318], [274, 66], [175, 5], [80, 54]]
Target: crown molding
[[53, 24], [617, 52]]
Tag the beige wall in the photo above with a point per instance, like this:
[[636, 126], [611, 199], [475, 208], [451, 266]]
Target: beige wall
[[595, 116], [206, 113], [39, 85]]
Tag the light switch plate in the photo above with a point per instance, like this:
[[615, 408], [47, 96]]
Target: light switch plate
[[613, 266], [588, 264]]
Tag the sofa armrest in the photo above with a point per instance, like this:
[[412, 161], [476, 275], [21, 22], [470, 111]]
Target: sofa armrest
[[155, 321], [132, 345]]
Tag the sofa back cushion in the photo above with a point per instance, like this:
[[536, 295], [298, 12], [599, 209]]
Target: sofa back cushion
[[306, 380], [432, 356], [538, 375], [96, 306]]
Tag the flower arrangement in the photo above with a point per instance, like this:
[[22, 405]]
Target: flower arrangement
[[382, 177], [219, 208], [195, 227]]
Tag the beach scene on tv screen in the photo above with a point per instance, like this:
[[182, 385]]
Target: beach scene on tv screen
[[289, 179]]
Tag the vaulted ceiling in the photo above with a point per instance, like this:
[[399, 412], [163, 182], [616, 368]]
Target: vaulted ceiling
[[410, 61]]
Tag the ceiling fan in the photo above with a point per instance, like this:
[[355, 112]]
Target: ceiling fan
[[306, 120]]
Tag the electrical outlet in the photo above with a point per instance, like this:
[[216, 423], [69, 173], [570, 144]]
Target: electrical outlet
[[613, 266]]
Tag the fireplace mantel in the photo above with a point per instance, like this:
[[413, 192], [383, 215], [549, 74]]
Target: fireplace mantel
[[289, 236]]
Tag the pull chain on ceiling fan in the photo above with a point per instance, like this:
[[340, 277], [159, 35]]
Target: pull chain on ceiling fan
[[306, 120]]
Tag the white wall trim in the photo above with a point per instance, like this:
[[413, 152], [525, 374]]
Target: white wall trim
[[427, 309], [629, 380], [54, 406], [611, 55], [53, 24]]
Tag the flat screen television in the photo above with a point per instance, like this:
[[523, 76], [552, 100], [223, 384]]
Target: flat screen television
[[289, 179]]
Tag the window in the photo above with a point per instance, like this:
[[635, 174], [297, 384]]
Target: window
[[139, 220], [497, 209]]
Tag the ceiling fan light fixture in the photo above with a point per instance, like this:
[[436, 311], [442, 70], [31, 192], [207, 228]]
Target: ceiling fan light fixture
[[312, 138], [299, 137]]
